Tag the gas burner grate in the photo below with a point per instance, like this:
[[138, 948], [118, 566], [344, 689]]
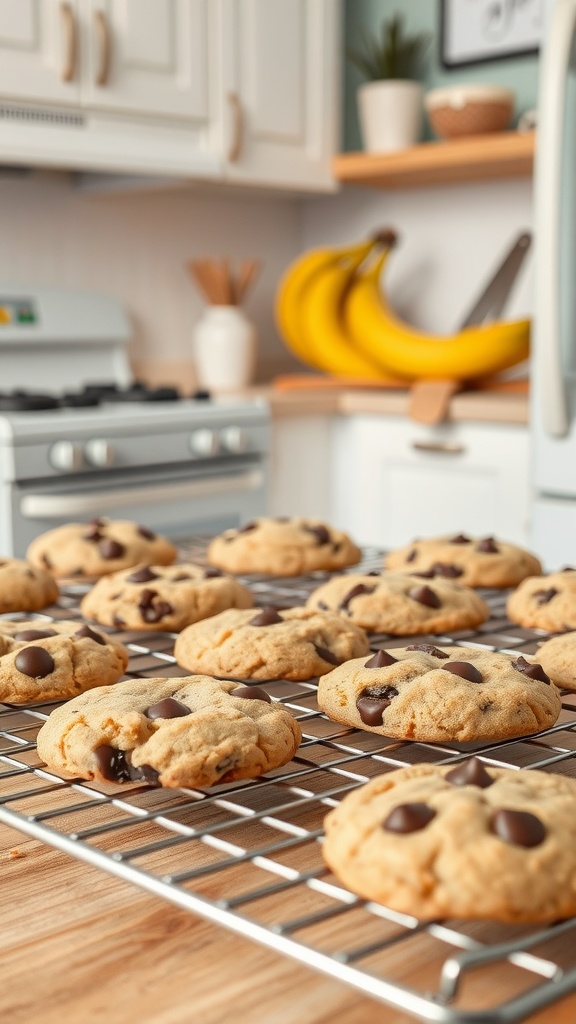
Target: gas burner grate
[[247, 855]]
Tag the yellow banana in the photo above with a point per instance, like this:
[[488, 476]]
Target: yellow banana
[[293, 287], [397, 348], [322, 333]]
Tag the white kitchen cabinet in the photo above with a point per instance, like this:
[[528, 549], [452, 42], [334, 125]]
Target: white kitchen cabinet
[[301, 466], [280, 91], [395, 480], [38, 47], [238, 90]]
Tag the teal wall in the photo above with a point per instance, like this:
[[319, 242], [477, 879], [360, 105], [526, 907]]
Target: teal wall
[[519, 73]]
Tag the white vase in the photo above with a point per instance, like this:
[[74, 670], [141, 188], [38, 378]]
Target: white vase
[[224, 349], [391, 114]]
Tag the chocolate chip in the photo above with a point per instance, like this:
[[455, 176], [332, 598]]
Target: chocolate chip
[[460, 538], [85, 631], [92, 533], [143, 575], [118, 622], [531, 669], [146, 533], [115, 767], [428, 649], [34, 662], [112, 763], [247, 527], [411, 555], [374, 572], [465, 670], [267, 617], [424, 595], [251, 693], [544, 596], [380, 660], [372, 702], [336, 546], [320, 532], [155, 612], [448, 571], [409, 818], [470, 773], [210, 573], [168, 707], [146, 597], [323, 606], [568, 568], [518, 827], [488, 546], [28, 635], [326, 655], [360, 588], [111, 549]]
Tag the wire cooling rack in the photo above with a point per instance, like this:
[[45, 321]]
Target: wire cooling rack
[[248, 855]]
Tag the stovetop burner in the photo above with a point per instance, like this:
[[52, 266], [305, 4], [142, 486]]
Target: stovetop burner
[[90, 395]]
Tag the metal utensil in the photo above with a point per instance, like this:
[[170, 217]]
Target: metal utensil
[[492, 300]]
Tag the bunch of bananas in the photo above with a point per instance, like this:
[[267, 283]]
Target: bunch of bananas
[[332, 315]]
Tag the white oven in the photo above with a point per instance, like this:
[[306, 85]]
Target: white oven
[[178, 465]]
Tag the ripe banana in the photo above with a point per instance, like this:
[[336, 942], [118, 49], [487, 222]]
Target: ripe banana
[[397, 348], [322, 331], [293, 295]]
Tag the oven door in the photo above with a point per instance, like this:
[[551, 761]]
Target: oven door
[[175, 501]]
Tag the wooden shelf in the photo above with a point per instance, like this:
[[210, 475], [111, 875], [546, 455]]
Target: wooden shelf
[[471, 158]]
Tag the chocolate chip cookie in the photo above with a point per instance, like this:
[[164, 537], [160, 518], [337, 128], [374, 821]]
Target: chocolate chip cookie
[[102, 546], [56, 660], [25, 587], [459, 841], [475, 561], [441, 694], [394, 602], [296, 643], [193, 731], [545, 602], [558, 659], [283, 547], [163, 597]]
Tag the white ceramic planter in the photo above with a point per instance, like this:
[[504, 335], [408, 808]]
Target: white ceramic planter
[[224, 349], [391, 114]]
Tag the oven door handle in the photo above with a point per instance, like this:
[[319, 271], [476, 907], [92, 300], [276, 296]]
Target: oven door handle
[[58, 506]]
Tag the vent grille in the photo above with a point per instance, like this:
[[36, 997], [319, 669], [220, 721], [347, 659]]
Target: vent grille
[[40, 115]]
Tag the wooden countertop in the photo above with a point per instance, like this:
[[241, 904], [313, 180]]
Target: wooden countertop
[[79, 944], [471, 406]]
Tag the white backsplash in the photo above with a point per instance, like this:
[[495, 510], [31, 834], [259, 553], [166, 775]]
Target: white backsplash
[[136, 245]]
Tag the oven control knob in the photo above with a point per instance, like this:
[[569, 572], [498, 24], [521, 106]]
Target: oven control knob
[[100, 453], [234, 440], [204, 442], [66, 456]]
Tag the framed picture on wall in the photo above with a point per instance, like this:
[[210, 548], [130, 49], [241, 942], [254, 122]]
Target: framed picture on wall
[[477, 31]]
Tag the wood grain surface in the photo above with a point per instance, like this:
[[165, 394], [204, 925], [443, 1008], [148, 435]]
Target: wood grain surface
[[77, 944]]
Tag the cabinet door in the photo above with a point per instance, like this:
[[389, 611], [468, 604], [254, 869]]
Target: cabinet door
[[39, 51], [148, 57], [280, 91], [396, 480]]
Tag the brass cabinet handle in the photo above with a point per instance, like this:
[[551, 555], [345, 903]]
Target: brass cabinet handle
[[235, 148], [104, 48], [444, 447], [69, 32]]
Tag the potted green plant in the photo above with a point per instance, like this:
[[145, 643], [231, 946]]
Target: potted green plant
[[390, 102]]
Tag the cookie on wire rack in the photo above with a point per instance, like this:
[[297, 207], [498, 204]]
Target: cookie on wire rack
[[465, 840], [187, 732]]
